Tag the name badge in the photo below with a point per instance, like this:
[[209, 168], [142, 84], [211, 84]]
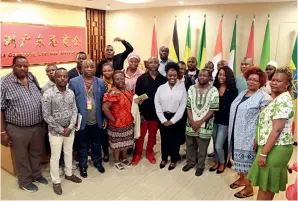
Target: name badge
[[89, 104]]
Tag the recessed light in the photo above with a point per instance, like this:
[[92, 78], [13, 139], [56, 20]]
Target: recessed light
[[20, 1], [108, 7], [181, 2]]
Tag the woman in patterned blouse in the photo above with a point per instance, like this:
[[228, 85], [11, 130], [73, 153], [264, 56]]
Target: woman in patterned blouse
[[244, 114], [274, 138]]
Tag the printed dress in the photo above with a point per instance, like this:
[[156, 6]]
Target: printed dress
[[243, 119], [121, 136]]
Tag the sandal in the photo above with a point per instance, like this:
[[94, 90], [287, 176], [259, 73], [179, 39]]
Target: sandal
[[234, 185], [242, 195], [126, 162], [119, 166]]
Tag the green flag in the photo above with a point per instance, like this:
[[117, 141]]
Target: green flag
[[202, 49], [187, 51], [232, 55], [265, 57]]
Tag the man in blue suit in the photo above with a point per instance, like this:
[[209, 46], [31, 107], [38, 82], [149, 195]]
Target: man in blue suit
[[89, 92]]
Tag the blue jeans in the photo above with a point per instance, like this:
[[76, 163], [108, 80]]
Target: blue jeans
[[94, 133], [220, 134]]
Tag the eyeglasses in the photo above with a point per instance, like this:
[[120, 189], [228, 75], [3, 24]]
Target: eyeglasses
[[253, 80]]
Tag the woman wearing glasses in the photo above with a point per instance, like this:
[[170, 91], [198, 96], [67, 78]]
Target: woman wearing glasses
[[244, 114]]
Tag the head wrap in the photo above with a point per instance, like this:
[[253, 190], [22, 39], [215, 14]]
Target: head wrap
[[133, 55]]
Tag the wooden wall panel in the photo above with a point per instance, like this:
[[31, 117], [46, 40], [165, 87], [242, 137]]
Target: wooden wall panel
[[96, 33]]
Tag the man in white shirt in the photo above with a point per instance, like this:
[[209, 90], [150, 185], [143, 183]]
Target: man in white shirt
[[164, 59]]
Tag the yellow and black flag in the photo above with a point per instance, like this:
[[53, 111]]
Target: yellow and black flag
[[174, 51]]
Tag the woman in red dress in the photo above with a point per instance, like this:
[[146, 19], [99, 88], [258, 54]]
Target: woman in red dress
[[117, 108]]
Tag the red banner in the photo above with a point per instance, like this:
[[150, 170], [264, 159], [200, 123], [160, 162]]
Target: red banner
[[41, 44]]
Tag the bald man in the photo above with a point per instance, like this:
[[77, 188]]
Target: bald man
[[164, 59], [221, 64], [240, 80], [89, 91], [147, 84]]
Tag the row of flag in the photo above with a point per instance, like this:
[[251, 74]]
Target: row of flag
[[218, 51]]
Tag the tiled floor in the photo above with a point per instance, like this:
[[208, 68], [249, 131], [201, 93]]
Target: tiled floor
[[143, 182]]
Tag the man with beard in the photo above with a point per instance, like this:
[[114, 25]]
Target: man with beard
[[117, 60], [164, 59], [60, 112], [147, 84], [199, 126], [81, 56]]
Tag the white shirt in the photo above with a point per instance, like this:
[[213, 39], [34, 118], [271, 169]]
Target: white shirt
[[170, 100], [162, 67]]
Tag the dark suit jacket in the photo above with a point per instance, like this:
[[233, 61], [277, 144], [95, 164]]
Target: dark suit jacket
[[77, 86], [193, 78], [118, 59]]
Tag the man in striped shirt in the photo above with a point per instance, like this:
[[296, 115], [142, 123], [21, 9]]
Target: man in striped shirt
[[22, 124]]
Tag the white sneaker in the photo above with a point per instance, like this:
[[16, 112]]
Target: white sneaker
[[61, 172]]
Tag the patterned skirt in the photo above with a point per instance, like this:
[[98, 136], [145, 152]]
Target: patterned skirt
[[121, 138]]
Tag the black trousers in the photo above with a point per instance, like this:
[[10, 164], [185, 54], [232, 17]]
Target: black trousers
[[105, 142], [170, 140]]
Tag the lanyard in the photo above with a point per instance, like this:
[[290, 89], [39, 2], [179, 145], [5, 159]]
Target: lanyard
[[78, 72], [88, 90]]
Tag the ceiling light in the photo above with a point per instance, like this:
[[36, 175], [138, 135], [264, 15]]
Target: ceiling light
[[181, 2], [134, 1], [20, 1], [108, 7]]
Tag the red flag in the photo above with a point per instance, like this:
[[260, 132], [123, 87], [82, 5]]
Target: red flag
[[154, 51], [251, 41]]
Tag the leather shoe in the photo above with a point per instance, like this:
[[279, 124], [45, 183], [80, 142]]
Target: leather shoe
[[162, 164], [83, 172], [57, 189], [199, 172], [106, 159], [101, 169], [73, 178], [172, 166], [186, 168], [212, 169], [219, 171]]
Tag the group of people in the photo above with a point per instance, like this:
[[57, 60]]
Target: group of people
[[95, 108]]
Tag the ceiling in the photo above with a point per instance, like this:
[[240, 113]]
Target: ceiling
[[116, 5]]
